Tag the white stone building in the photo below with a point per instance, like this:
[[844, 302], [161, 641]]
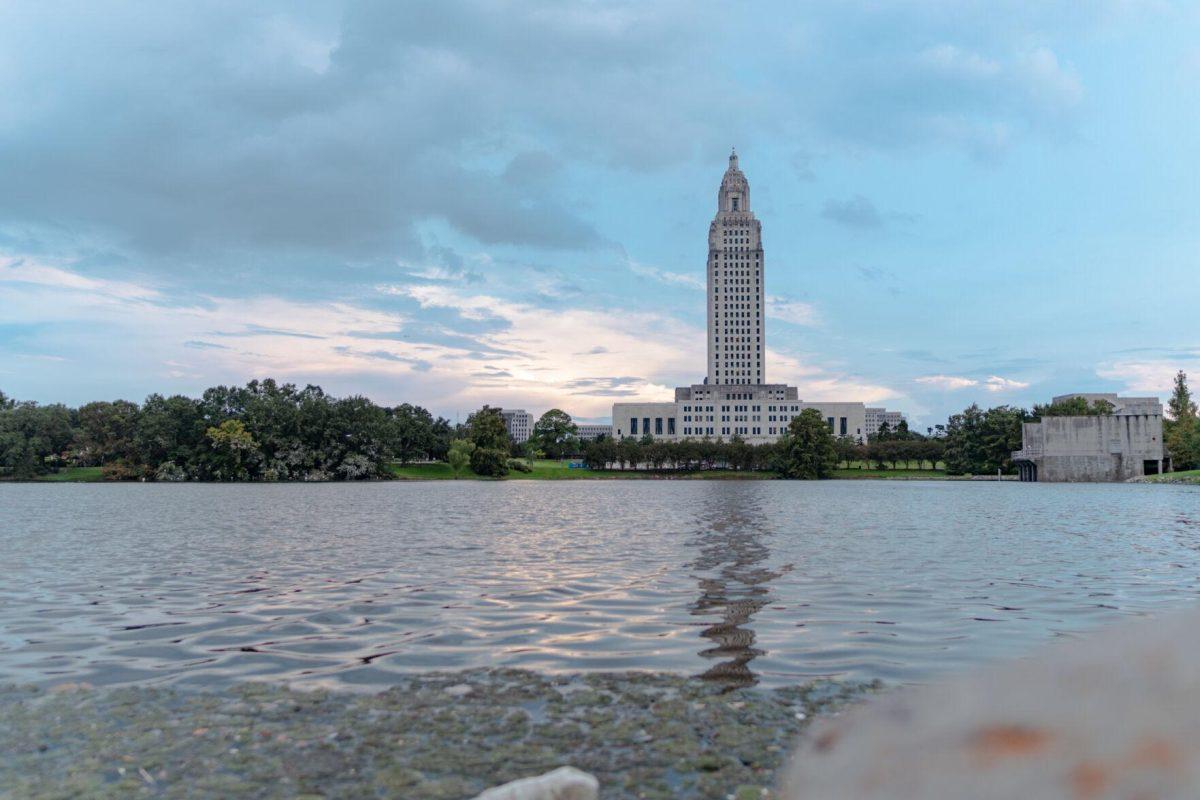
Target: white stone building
[[877, 416], [734, 399], [588, 431], [519, 423]]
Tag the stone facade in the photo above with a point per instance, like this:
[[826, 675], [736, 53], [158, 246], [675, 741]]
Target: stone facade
[[734, 399], [1111, 447], [877, 416], [736, 339], [588, 432], [519, 423]]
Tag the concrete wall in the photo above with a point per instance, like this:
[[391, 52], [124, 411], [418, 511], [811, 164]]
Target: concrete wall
[[1093, 448]]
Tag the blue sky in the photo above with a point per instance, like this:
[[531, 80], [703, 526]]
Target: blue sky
[[460, 203]]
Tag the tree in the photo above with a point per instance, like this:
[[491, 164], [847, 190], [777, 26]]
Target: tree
[[807, 451], [981, 442], [234, 448], [459, 454], [487, 430], [1181, 406], [33, 438], [491, 462], [107, 431], [1073, 407], [1181, 431], [556, 434]]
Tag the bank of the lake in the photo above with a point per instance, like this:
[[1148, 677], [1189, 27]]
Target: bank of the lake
[[545, 469], [1191, 476], [438, 735]]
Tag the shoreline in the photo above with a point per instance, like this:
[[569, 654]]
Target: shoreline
[[435, 735]]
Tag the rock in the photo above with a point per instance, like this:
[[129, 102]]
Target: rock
[[459, 690], [1113, 715], [564, 783]]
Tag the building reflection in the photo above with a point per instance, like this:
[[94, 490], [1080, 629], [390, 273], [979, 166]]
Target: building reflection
[[733, 578]]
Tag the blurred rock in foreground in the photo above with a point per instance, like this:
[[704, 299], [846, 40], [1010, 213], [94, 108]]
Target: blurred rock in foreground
[[1114, 715]]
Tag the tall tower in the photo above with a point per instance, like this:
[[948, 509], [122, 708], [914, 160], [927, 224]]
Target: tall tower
[[736, 341]]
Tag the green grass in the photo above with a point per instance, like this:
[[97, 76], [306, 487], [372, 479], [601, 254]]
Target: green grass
[[1184, 476], [75, 475]]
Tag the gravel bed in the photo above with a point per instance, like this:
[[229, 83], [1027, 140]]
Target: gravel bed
[[437, 735]]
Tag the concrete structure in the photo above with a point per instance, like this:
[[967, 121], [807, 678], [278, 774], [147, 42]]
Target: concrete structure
[[877, 416], [734, 399], [1111, 447], [519, 423], [589, 432]]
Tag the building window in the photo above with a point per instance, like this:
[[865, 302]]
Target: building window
[[844, 428], [671, 425], [633, 427], [658, 426], [646, 426], [829, 421]]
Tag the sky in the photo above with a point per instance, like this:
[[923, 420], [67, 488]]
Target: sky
[[461, 203]]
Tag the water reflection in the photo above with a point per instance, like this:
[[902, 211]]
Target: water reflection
[[733, 580]]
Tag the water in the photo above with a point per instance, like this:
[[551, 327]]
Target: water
[[744, 582]]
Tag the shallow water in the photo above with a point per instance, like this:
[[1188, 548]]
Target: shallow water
[[772, 582]]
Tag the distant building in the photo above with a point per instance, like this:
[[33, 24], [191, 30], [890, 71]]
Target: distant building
[[877, 416], [734, 399], [1111, 447], [519, 423], [589, 432]]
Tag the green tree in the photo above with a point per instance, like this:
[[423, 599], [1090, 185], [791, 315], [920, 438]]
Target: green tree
[[234, 449], [1073, 407], [1181, 430], [459, 454], [491, 462], [807, 451], [33, 438], [486, 429], [555, 434], [1181, 406], [107, 432]]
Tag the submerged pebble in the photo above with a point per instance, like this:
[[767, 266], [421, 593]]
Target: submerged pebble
[[642, 735]]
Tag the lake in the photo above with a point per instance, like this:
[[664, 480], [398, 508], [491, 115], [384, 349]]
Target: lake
[[745, 582]]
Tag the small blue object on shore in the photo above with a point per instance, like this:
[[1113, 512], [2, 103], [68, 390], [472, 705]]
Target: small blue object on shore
[[574, 465]]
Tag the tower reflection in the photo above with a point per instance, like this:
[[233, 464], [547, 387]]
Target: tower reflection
[[733, 579]]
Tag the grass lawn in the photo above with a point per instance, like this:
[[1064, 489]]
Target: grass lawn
[[1185, 476], [75, 475]]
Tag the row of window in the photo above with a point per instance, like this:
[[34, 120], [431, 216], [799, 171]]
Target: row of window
[[658, 426]]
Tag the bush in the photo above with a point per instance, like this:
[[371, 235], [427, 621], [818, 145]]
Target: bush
[[519, 465], [490, 462]]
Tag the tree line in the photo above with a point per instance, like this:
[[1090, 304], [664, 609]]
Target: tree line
[[260, 431], [279, 432]]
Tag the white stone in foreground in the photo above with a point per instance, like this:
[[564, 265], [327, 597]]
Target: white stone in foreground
[[564, 783], [1114, 715]]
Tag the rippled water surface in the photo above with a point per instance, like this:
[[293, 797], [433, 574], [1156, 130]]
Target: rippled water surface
[[774, 582]]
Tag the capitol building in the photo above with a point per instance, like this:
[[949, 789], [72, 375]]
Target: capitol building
[[735, 398]]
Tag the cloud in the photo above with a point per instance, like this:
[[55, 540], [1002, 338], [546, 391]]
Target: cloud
[[946, 382], [993, 383], [1151, 376], [787, 309], [695, 282], [857, 212]]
